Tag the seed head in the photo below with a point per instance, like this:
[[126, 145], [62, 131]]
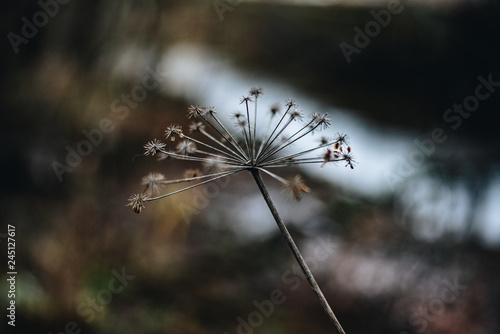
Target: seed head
[[291, 103], [186, 147], [322, 121], [349, 159], [323, 140], [214, 165], [153, 183], [246, 99], [241, 122], [296, 188], [136, 201], [256, 91], [237, 115], [190, 173], [153, 147], [211, 110], [296, 115], [341, 138], [196, 127], [172, 131], [195, 111], [275, 109]]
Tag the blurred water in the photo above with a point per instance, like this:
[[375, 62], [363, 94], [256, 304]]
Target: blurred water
[[489, 217], [205, 77]]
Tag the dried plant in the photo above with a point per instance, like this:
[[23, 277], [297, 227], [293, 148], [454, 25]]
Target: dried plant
[[223, 153]]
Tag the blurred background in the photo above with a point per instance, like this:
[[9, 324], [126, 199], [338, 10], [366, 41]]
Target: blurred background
[[407, 242]]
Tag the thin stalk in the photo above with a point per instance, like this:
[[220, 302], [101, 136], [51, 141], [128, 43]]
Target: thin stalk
[[268, 148], [291, 156], [193, 158], [266, 144], [209, 136], [189, 179], [265, 136], [194, 185], [288, 164], [233, 142], [254, 126], [211, 147], [249, 131], [245, 136], [218, 156], [295, 251], [279, 178], [289, 142]]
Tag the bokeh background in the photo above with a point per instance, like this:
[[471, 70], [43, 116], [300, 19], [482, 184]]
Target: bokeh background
[[407, 242]]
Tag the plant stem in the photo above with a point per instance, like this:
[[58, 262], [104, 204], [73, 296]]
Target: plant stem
[[295, 251]]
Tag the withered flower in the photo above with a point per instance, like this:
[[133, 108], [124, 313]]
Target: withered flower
[[223, 153]]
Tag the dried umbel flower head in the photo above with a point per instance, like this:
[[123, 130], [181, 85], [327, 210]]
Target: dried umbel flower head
[[223, 153]]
